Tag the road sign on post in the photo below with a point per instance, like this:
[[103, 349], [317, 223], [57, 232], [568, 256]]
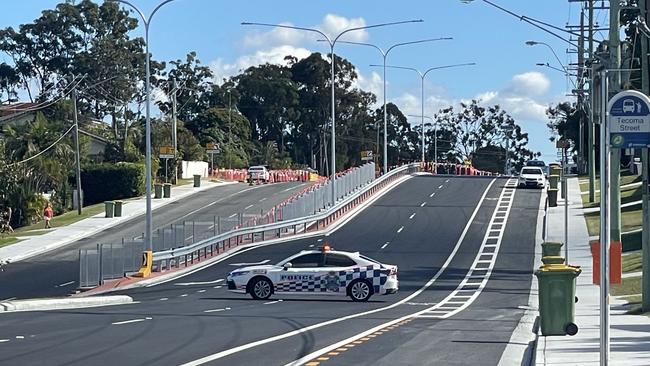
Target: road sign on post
[[212, 148], [629, 117], [166, 152], [366, 155]]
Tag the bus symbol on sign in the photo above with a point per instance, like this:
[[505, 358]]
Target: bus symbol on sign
[[629, 106]]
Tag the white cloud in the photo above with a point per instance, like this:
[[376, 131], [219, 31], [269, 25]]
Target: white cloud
[[532, 83], [331, 25], [223, 70], [373, 84]]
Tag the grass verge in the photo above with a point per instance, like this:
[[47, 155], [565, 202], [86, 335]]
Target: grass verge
[[632, 262], [628, 286]]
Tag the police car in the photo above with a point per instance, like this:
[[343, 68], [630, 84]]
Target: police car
[[318, 272]]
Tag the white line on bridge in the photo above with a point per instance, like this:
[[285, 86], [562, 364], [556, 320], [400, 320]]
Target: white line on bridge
[[412, 216], [247, 207], [198, 283], [447, 181], [215, 310], [131, 321], [20, 337], [4, 340], [400, 229], [272, 302], [9, 299], [183, 295], [163, 299], [423, 203], [65, 284], [263, 199], [288, 189], [385, 245], [432, 194], [233, 215], [217, 286], [440, 186], [201, 291]]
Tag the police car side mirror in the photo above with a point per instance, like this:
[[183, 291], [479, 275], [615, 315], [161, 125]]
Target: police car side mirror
[[287, 265]]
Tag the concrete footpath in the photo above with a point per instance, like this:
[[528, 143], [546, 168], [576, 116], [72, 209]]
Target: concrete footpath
[[629, 334], [61, 236]]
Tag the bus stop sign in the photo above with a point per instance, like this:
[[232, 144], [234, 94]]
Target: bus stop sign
[[629, 119]]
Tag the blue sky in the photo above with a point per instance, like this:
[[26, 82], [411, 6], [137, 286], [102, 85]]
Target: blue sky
[[505, 72]]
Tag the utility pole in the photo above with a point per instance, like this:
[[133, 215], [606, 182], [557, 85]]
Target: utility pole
[[580, 82], [591, 151], [615, 87], [76, 142], [645, 232], [174, 127], [229, 129]]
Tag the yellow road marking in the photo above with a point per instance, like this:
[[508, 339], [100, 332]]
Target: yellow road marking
[[322, 358], [334, 353], [341, 349], [312, 364]]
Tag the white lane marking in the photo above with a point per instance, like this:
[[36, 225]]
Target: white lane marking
[[272, 302], [412, 216], [423, 203], [440, 186], [215, 202], [249, 264], [20, 337], [306, 330], [200, 291], [4, 340], [263, 199], [65, 284], [183, 295], [311, 245], [432, 194], [321, 239], [9, 299], [447, 181], [215, 310], [288, 189], [398, 320], [233, 215], [189, 237], [130, 321], [400, 229], [247, 207], [198, 283], [385, 245], [163, 299], [217, 286]]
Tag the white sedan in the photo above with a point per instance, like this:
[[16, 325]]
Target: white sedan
[[317, 272], [532, 177]]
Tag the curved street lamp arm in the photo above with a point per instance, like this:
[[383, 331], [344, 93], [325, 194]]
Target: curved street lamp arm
[[375, 26], [137, 10], [419, 41], [447, 67], [158, 7], [556, 56], [399, 67], [364, 44], [291, 27]]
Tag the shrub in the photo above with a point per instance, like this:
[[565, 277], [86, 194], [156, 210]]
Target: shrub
[[105, 182]]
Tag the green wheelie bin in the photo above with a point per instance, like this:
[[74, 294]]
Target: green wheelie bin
[[109, 207], [167, 190], [118, 208], [157, 190], [553, 180], [557, 298], [552, 197], [197, 180], [551, 248]]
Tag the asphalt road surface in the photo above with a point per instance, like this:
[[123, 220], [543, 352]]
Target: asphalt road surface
[[433, 228], [56, 273]]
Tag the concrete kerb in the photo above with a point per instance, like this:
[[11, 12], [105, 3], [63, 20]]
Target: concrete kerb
[[63, 303], [114, 222], [522, 346], [176, 274]]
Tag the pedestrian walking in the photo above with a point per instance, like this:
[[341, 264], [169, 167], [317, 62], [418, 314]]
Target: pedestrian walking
[[47, 215]]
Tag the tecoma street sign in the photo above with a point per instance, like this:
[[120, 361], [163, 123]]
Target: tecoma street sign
[[629, 118]]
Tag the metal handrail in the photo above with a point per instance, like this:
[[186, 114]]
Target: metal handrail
[[183, 251]]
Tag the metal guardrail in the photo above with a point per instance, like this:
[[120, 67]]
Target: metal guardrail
[[260, 231]]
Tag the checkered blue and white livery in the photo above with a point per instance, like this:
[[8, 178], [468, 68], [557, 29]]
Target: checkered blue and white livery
[[336, 281]]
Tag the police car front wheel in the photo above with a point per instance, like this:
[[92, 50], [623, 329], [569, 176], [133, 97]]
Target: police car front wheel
[[360, 290], [260, 288]]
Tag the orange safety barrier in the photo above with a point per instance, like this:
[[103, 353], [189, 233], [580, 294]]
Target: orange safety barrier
[[615, 268]]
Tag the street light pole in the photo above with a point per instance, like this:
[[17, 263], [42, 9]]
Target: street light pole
[[435, 140], [422, 76], [147, 160], [384, 54], [332, 43]]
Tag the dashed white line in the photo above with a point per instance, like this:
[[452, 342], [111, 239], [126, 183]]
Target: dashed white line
[[215, 310], [423, 203], [163, 299], [272, 302], [4, 340], [263, 199], [131, 321], [201, 291], [217, 286], [447, 181], [183, 295], [288, 189], [385, 245], [400, 229], [432, 194], [9, 299], [65, 284], [412, 216], [233, 215], [199, 283], [247, 207], [321, 239], [20, 337], [440, 186]]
